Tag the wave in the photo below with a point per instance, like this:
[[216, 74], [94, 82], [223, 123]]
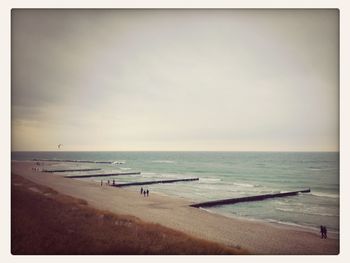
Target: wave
[[315, 169], [285, 209], [149, 174], [125, 168], [320, 194], [163, 161], [307, 212], [308, 227], [321, 214], [327, 168], [246, 185], [211, 180], [163, 175]]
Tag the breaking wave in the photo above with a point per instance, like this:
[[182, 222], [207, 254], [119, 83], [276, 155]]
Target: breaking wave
[[320, 194], [163, 161]]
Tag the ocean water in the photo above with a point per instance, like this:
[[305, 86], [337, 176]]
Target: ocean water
[[228, 175]]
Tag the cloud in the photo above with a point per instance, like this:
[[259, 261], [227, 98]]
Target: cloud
[[175, 79]]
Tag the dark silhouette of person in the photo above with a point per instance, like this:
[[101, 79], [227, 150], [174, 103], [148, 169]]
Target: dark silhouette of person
[[113, 182], [325, 232], [101, 182], [147, 192], [108, 182], [322, 231], [141, 191], [144, 193]]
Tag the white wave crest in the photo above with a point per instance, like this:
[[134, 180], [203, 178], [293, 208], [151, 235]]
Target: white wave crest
[[320, 194], [163, 161], [305, 211], [285, 209], [244, 185], [210, 180], [290, 224]]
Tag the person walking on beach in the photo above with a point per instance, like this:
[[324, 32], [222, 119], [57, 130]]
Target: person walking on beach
[[322, 231], [325, 232], [141, 191], [147, 192], [101, 182], [108, 182], [113, 182], [144, 193]]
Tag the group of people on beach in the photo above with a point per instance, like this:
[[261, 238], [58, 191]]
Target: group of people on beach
[[37, 169], [144, 192], [108, 182], [323, 232]]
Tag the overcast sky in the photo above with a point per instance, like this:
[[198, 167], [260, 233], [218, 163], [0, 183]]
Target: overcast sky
[[224, 80]]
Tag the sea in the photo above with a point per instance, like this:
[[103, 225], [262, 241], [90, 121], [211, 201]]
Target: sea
[[225, 175]]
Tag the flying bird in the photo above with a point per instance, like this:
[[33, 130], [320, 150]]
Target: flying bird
[[59, 146]]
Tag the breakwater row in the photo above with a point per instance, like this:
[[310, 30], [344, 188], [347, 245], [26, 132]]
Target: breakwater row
[[248, 198], [156, 182], [71, 170], [74, 161], [100, 175]]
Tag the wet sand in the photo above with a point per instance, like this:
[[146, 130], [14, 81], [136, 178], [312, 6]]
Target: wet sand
[[255, 236]]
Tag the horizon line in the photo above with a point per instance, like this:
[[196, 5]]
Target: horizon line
[[177, 151]]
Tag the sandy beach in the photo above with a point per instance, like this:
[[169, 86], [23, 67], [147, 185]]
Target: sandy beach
[[255, 236]]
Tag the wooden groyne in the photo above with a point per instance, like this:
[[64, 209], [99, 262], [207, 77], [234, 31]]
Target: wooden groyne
[[100, 175], [248, 198], [73, 161], [156, 182], [71, 170]]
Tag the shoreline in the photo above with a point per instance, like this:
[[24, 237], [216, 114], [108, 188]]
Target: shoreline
[[275, 223], [278, 224], [259, 237]]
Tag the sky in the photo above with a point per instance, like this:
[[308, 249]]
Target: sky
[[175, 80]]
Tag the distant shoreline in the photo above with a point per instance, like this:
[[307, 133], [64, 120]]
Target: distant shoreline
[[56, 151]]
